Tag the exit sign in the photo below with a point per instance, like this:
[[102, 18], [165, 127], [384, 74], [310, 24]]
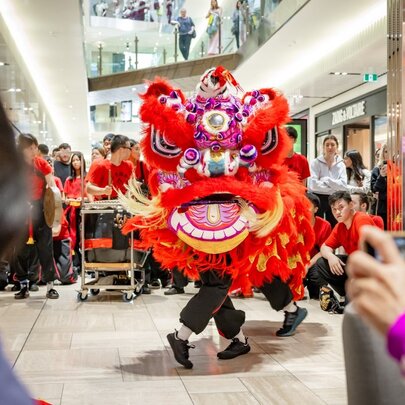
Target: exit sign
[[370, 77]]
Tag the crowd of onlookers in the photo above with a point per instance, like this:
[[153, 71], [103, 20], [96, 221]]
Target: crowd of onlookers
[[245, 18], [345, 195]]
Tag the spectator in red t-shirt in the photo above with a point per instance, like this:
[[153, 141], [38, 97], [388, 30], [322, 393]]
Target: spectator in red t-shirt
[[362, 204], [296, 162], [322, 230], [107, 176], [330, 267], [39, 177]]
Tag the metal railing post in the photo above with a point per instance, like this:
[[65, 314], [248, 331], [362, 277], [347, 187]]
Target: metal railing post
[[220, 35], [164, 56], [100, 59], [202, 52], [176, 35], [136, 52]]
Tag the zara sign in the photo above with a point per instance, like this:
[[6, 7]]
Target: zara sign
[[348, 113]]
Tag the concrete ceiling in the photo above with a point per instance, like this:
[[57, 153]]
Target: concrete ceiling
[[325, 36], [46, 38]]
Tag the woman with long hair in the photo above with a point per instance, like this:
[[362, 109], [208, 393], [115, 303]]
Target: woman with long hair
[[328, 173], [358, 176], [214, 21], [73, 197], [379, 184]]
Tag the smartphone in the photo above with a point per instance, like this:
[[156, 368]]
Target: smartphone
[[399, 239], [384, 162]]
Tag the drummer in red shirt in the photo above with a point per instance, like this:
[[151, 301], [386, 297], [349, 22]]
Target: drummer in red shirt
[[294, 161], [107, 176], [40, 176]]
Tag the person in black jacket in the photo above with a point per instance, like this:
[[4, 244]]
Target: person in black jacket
[[379, 185]]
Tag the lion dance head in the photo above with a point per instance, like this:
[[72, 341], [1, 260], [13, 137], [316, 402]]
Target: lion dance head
[[220, 196]]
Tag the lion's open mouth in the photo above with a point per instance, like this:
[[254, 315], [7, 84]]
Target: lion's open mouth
[[213, 224]]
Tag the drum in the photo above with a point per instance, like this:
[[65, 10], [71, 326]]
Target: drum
[[104, 241], [53, 209]]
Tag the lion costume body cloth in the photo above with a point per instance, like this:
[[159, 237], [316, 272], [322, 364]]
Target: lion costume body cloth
[[220, 197]]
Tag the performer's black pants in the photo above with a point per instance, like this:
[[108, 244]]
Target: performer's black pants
[[320, 275], [179, 279], [325, 211], [277, 293], [44, 248], [212, 301]]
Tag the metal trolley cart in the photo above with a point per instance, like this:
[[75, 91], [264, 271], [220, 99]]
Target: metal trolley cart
[[112, 268]]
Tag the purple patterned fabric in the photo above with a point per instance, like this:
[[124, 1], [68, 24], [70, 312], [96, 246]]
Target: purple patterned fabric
[[396, 339]]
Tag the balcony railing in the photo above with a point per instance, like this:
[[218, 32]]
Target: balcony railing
[[117, 44]]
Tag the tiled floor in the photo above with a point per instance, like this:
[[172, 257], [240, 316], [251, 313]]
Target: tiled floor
[[105, 351]]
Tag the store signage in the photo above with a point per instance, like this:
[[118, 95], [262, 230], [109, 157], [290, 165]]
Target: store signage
[[349, 113], [370, 77]]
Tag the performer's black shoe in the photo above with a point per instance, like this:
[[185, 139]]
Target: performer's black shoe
[[155, 284], [34, 287], [3, 285], [291, 321], [174, 291], [197, 284], [235, 349], [23, 293], [180, 349], [52, 294], [146, 290]]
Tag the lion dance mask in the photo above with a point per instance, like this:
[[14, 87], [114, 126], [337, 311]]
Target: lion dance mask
[[220, 197]]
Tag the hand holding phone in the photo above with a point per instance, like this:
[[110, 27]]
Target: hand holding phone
[[375, 287]]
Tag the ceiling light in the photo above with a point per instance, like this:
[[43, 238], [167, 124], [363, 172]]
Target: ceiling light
[[4, 64], [345, 74]]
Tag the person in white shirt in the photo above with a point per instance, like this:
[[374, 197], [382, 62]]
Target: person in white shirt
[[358, 177], [328, 174]]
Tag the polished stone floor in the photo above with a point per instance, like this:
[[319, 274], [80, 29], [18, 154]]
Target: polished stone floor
[[105, 351]]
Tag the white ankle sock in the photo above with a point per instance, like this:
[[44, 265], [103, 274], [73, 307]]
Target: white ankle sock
[[49, 286], [291, 307], [184, 333], [241, 337]]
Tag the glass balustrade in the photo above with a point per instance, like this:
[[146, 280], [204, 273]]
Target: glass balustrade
[[119, 41]]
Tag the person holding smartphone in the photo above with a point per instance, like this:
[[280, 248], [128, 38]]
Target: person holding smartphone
[[379, 184], [376, 289]]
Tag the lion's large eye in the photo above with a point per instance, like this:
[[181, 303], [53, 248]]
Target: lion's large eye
[[215, 121]]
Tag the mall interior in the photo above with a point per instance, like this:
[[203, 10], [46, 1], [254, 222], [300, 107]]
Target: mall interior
[[226, 115]]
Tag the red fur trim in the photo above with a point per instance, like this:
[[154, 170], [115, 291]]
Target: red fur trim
[[273, 115]]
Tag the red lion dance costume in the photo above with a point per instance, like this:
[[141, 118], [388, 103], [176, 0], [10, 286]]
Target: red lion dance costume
[[220, 196]]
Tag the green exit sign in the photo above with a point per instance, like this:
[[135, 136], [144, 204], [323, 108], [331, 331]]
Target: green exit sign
[[370, 77]]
